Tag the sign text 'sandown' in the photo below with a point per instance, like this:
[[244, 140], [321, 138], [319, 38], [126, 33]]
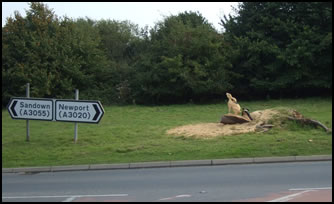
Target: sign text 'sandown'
[[31, 108]]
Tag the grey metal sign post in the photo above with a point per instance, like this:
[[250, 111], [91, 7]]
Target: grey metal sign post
[[28, 96], [76, 124]]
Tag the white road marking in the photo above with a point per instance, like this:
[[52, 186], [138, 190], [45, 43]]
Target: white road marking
[[182, 196], [302, 189], [288, 197], [178, 196], [69, 197]]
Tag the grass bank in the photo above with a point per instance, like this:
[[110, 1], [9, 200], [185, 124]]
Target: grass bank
[[138, 133]]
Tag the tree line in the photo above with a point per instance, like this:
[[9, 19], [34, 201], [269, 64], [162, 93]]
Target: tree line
[[265, 50]]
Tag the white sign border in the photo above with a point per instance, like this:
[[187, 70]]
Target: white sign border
[[82, 101], [30, 99]]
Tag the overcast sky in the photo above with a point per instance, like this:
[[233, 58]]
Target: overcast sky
[[141, 13]]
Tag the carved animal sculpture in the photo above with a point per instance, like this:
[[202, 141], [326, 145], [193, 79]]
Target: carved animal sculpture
[[233, 104]]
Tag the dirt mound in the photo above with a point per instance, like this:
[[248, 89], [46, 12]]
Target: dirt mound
[[211, 130]]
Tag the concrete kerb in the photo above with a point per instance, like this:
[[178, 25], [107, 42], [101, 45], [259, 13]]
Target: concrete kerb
[[150, 164], [108, 166], [191, 163], [233, 161], [164, 164], [274, 159], [314, 158], [31, 169], [70, 168]]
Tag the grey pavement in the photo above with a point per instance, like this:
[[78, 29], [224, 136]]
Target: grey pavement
[[274, 181], [163, 164]]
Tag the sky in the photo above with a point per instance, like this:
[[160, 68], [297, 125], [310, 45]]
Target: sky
[[141, 13]]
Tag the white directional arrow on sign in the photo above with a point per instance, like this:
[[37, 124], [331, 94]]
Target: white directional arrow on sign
[[78, 111], [30, 108]]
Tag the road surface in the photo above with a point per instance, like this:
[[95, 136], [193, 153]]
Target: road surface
[[246, 182]]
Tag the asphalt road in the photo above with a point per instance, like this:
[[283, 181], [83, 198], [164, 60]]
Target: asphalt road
[[203, 183]]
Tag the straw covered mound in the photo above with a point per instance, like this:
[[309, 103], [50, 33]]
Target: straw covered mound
[[211, 130]]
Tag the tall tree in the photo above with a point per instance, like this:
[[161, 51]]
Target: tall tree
[[28, 46], [54, 55], [184, 61], [281, 48], [119, 40]]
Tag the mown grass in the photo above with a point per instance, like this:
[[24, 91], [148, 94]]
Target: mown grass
[[137, 133]]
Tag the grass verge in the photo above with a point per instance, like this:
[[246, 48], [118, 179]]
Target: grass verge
[[138, 133]]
